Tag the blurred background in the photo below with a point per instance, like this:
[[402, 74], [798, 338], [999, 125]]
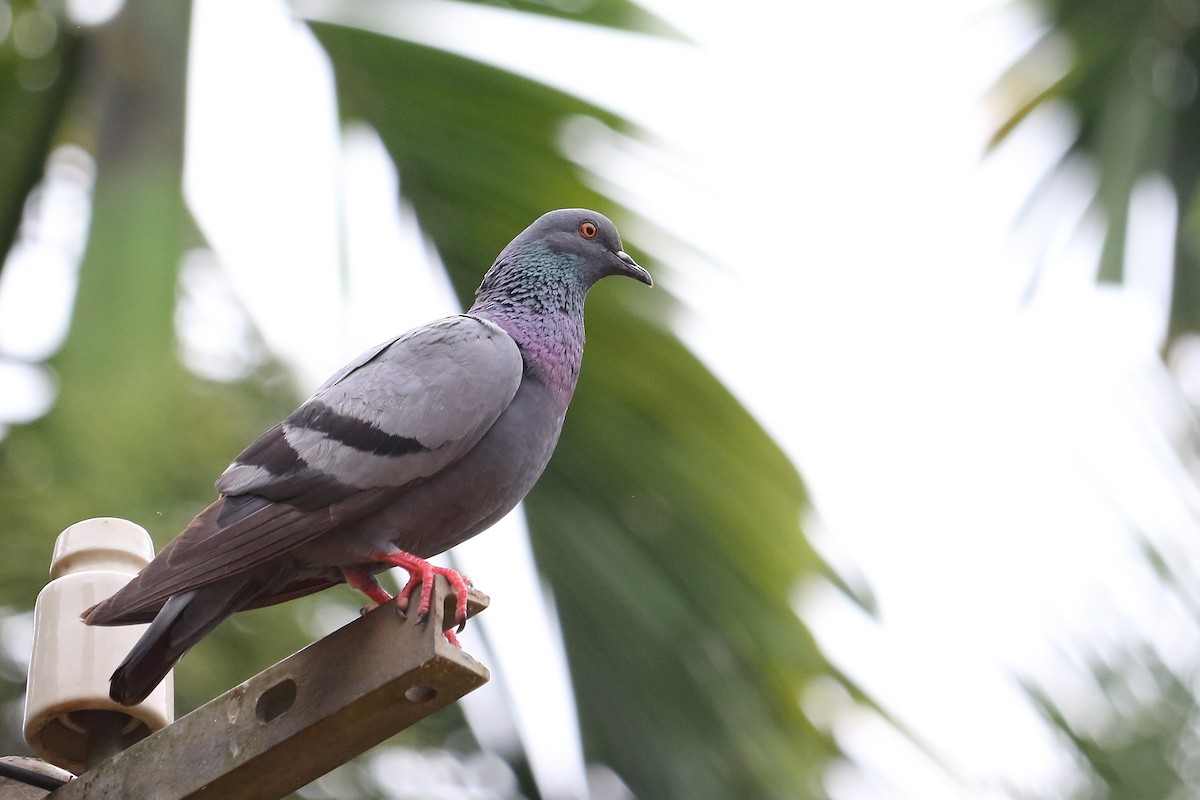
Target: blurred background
[[887, 489]]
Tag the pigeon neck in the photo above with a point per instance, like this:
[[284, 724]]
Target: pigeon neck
[[550, 340]]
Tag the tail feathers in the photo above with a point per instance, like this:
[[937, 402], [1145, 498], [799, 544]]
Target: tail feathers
[[184, 620], [134, 603], [102, 614], [153, 656]]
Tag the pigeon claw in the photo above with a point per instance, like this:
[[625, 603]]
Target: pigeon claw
[[422, 572]]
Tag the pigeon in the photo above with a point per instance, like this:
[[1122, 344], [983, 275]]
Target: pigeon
[[414, 447]]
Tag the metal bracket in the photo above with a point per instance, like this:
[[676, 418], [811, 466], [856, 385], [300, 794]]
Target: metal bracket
[[297, 720]]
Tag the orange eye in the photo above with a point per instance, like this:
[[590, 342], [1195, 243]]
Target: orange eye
[[589, 230]]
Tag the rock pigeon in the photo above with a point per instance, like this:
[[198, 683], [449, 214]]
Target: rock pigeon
[[412, 448]]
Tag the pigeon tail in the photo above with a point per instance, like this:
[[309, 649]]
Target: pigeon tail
[[184, 620]]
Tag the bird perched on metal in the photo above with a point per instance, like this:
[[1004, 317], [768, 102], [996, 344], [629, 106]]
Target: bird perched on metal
[[412, 448]]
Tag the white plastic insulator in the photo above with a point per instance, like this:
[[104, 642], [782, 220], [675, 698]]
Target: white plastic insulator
[[71, 662]]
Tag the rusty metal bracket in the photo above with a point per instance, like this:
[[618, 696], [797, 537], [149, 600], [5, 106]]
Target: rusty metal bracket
[[297, 720]]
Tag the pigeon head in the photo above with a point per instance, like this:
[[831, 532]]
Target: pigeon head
[[571, 249]]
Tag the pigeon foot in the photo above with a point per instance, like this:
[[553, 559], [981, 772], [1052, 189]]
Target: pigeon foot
[[422, 572], [363, 580]]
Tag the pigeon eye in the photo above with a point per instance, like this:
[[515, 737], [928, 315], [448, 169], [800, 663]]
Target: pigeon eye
[[589, 230]]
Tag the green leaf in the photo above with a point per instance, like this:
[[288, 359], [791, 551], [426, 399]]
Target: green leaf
[[35, 90], [1132, 84], [1144, 744], [477, 146], [667, 523], [619, 14]]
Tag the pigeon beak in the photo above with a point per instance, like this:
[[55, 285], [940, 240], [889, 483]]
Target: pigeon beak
[[632, 268]]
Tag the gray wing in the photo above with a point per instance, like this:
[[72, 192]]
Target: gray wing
[[401, 412]]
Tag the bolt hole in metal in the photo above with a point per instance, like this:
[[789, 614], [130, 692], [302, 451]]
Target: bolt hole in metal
[[420, 694], [276, 700]]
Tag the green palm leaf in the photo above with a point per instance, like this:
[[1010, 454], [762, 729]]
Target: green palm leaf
[[1131, 82], [667, 523]]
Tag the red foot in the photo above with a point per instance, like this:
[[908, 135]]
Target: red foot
[[422, 572], [419, 571], [364, 581]]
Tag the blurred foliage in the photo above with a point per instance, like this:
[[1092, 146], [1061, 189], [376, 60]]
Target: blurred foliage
[[652, 508], [607, 517], [39, 66], [667, 525], [1148, 748], [619, 14], [1133, 722], [1131, 79], [115, 442]]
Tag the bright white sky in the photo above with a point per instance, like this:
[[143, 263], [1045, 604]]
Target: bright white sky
[[977, 461]]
